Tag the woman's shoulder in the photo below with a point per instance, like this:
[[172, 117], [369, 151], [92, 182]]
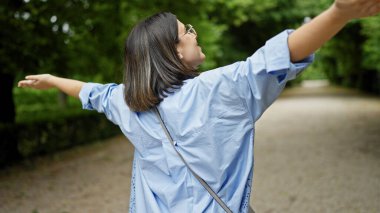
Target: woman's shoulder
[[219, 74], [211, 89]]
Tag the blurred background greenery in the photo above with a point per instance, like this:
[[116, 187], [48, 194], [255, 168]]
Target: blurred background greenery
[[84, 39]]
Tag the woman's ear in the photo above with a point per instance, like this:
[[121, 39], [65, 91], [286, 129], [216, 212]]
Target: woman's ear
[[179, 50]]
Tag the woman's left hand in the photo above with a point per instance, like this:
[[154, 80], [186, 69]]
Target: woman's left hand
[[42, 81]]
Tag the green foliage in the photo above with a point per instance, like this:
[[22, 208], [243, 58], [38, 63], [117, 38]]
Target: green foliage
[[44, 127], [42, 105], [371, 46], [350, 58], [23, 140], [311, 8], [313, 73], [52, 37], [48, 137], [341, 57]]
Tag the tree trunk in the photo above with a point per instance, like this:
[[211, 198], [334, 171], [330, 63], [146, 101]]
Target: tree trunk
[[7, 106], [8, 133], [62, 99]]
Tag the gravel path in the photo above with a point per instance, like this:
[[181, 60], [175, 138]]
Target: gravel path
[[316, 150]]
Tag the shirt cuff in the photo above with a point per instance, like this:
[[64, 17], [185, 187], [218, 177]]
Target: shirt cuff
[[84, 95], [277, 56]]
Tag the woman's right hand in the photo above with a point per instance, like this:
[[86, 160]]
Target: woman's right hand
[[42, 81]]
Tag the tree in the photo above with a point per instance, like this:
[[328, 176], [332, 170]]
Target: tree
[[9, 54], [48, 37]]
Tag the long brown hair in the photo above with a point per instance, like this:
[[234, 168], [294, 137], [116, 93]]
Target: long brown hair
[[152, 64]]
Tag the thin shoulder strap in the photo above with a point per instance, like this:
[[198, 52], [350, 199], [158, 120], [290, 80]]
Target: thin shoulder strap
[[204, 184]]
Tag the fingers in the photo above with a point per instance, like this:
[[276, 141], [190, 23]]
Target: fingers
[[40, 81], [32, 77], [26, 83], [31, 81]]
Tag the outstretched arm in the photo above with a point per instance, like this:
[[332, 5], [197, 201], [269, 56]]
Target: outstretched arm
[[311, 36], [46, 81]]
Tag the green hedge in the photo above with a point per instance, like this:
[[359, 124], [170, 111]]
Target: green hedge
[[43, 126], [25, 140]]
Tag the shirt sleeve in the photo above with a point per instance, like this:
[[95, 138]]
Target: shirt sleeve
[[263, 76], [102, 98]]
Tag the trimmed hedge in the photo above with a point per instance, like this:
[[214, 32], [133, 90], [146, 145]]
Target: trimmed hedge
[[24, 140]]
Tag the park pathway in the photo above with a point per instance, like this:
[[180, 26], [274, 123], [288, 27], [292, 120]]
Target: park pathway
[[317, 149]]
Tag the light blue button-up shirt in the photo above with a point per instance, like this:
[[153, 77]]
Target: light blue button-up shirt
[[211, 119]]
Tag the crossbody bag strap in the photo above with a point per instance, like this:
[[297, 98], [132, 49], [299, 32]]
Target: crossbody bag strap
[[204, 184]]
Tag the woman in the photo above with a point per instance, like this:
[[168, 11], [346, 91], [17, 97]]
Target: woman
[[210, 116]]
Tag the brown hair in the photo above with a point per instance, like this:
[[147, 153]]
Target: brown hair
[[152, 64]]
